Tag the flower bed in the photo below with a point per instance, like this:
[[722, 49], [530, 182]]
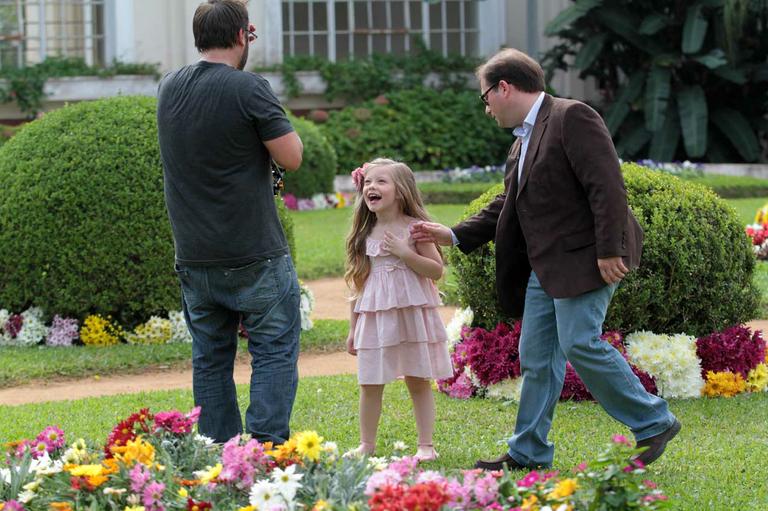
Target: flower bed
[[487, 363], [28, 329], [157, 463], [318, 201]]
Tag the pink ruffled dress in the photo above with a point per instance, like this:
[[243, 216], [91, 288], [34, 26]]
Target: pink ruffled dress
[[399, 331]]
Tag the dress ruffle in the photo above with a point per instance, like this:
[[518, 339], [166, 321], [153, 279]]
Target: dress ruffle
[[398, 330]]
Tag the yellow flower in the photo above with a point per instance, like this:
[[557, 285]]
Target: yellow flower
[[135, 451], [308, 444], [183, 493], [134, 508], [85, 470], [321, 505], [206, 476], [98, 331], [563, 489], [59, 506], [529, 504], [724, 383], [757, 378], [248, 508]]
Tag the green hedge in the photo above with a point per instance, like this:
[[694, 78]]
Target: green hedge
[[696, 271], [426, 129], [733, 187], [452, 193], [318, 167], [83, 224]]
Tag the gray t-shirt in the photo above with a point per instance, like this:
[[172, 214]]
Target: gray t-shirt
[[212, 121]]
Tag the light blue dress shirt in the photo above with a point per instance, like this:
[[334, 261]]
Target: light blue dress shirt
[[523, 132]]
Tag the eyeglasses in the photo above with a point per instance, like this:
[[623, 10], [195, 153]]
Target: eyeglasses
[[484, 95], [251, 34]]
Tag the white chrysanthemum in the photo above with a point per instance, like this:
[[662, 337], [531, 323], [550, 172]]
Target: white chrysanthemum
[[179, 330], [306, 304], [205, 440], [473, 377], [33, 330], [399, 445], [460, 319], [377, 463], [670, 359], [287, 482], [508, 389], [45, 466], [330, 448], [264, 495], [5, 476], [156, 330]]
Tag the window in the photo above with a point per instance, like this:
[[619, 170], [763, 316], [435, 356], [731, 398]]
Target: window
[[32, 30], [339, 30]]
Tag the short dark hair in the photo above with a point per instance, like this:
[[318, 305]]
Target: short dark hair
[[217, 23], [515, 68]]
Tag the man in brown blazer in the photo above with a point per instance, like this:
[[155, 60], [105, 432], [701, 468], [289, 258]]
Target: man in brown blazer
[[565, 238]]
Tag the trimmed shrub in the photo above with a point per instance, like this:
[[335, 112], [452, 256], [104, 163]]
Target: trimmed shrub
[[696, 271], [425, 128], [318, 167], [83, 224], [452, 193]]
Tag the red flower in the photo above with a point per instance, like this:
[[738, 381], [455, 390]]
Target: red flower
[[128, 429], [387, 498], [735, 349], [198, 506]]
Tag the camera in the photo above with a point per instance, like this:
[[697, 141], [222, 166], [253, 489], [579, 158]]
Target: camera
[[278, 173]]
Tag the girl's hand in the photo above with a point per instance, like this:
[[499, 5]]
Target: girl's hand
[[351, 345], [396, 246]]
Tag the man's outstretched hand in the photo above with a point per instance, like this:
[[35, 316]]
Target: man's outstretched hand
[[431, 232]]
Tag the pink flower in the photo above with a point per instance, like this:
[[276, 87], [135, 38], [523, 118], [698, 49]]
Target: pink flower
[[404, 466], [358, 177], [63, 331], [486, 489], [52, 436], [139, 476], [153, 494], [290, 201], [379, 480], [529, 480], [461, 495], [241, 462], [581, 467], [174, 422], [13, 505], [462, 388], [621, 439], [649, 484]]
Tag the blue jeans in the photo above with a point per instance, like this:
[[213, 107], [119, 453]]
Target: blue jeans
[[558, 329], [265, 294]]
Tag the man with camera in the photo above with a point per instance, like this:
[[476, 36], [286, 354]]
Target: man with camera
[[219, 128]]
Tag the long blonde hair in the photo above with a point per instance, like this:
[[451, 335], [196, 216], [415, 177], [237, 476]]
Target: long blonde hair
[[363, 220]]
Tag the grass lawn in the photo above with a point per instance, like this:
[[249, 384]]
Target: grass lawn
[[718, 462], [320, 237], [23, 364], [746, 208]]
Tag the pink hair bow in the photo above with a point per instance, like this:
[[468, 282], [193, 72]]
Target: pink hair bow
[[358, 177]]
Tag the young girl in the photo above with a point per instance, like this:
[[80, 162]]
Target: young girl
[[395, 329]]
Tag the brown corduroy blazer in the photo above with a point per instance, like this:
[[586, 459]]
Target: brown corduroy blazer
[[569, 209]]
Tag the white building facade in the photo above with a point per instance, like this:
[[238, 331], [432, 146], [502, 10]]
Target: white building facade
[[160, 31]]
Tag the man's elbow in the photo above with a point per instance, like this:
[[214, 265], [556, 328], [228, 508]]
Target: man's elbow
[[294, 162]]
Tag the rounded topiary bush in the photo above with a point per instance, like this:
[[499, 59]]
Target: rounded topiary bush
[[318, 167], [696, 270], [426, 128], [83, 224]]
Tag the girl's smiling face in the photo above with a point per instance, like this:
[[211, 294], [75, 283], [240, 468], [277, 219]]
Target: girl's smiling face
[[379, 189]]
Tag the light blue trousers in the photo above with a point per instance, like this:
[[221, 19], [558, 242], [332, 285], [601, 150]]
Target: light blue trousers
[[555, 330]]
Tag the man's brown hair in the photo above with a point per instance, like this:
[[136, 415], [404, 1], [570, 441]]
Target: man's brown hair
[[515, 68], [216, 23]]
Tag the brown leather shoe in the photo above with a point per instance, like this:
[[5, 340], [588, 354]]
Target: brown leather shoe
[[656, 444], [498, 463]]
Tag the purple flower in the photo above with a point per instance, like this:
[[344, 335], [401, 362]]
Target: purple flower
[[290, 201], [63, 331], [462, 388], [13, 505], [493, 355]]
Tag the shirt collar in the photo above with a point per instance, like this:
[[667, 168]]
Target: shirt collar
[[525, 130]]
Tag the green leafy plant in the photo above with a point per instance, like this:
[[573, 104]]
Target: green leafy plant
[[696, 270], [318, 167], [423, 127], [83, 225], [25, 85], [366, 78], [681, 79]]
